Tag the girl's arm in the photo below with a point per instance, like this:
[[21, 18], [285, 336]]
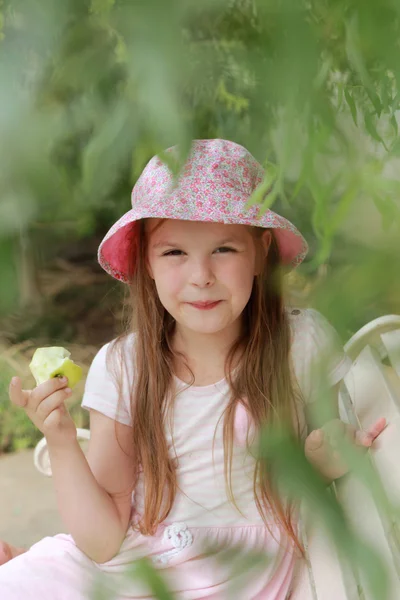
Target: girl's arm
[[94, 492]]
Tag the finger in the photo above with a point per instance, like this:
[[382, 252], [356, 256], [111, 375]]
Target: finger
[[357, 437], [18, 396], [51, 403], [366, 438], [377, 428], [54, 419], [45, 389], [362, 438]]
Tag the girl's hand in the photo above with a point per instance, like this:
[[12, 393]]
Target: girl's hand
[[321, 445], [45, 407]]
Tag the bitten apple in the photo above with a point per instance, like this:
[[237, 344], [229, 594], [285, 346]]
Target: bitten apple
[[54, 362]]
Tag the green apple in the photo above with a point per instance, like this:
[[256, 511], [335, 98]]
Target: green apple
[[54, 362]]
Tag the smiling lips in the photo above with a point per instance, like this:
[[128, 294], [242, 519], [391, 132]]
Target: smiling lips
[[204, 305]]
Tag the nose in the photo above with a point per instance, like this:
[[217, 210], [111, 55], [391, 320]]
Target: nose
[[201, 273]]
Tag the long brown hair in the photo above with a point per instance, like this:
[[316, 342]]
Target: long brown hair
[[263, 378]]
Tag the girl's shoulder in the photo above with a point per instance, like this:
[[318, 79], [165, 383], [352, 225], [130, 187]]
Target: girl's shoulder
[[303, 321], [313, 334], [115, 358], [309, 324], [123, 344], [316, 342], [110, 379]]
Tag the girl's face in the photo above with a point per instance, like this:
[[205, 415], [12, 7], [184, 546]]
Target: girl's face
[[203, 272]]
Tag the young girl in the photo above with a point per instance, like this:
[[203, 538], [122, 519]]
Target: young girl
[[176, 403]]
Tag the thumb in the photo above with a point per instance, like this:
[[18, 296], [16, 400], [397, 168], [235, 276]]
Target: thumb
[[18, 396], [315, 440]]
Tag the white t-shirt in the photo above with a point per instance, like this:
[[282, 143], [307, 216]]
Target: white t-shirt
[[200, 466]]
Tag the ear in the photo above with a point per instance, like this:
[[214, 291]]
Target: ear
[[266, 240], [262, 250]]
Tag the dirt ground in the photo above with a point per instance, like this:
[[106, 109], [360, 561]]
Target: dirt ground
[[28, 510]]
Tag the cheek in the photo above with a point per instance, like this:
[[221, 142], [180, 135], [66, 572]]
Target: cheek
[[238, 277], [168, 281]]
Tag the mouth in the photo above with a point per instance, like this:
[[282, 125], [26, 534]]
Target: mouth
[[205, 305]]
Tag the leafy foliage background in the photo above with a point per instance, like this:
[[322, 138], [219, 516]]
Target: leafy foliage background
[[91, 89]]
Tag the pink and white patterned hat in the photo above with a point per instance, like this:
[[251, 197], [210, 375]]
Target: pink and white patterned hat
[[214, 185]]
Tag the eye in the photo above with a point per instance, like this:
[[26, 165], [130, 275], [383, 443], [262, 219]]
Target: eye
[[224, 249], [173, 253]]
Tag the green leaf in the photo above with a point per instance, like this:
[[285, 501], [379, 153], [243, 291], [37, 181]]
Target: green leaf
[[269, 200], [234, 103], [101, 6], [323, 73], [351, 104], [371, 128], [395, 102], [175, 161], [102, 588], [9, 276], [144, 570], [320, 217], [389, 211], [393, 122], [356, 58], [340, 91], [293, 475], [395, 149], [264, 193], [342, 208], [386, 96], [106, 153], [373, 96]]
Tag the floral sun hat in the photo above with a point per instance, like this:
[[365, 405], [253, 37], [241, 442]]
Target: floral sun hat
[[214, 185]]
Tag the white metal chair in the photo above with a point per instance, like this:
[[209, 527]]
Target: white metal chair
[[41, 457], [370, 390]]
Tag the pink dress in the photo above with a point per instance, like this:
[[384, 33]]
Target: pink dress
[[202, 516]]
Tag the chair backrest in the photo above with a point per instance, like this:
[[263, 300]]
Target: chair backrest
[[369, 391]]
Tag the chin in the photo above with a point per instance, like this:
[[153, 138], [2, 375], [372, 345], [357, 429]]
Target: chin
[[206, 328]]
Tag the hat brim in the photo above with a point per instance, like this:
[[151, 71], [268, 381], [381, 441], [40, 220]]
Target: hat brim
[[117, 251]]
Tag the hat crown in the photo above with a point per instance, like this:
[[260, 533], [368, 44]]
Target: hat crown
[[216, 172]]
